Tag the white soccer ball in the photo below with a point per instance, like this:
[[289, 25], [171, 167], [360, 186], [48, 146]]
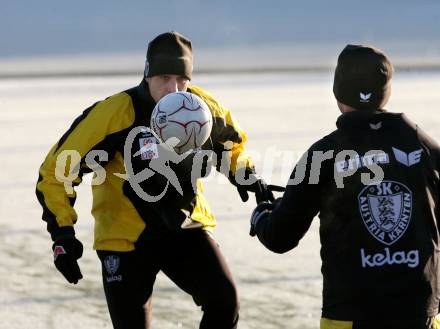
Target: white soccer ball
[[183, 120]]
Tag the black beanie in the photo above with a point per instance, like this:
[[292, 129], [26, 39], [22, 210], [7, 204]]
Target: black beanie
[[363, 77], [169, 53]]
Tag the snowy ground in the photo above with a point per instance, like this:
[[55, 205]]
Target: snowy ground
[[283, 115]]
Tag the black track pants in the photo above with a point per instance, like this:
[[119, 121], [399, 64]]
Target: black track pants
[[191, 259]]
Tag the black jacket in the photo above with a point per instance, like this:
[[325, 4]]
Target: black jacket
[[380, 240]]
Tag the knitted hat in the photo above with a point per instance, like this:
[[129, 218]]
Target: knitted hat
[[363, 77], [169, 53]]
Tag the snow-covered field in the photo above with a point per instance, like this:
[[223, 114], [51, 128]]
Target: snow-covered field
[[283, 114]]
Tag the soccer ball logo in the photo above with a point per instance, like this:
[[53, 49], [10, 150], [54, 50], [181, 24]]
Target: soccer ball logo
[[183, 119]]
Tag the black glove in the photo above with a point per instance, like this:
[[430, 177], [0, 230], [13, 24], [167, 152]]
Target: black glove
[[66, 251], [262, 191], [262, 209]]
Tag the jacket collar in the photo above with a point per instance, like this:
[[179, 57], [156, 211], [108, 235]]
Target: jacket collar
[[144, 96], [359, 119]]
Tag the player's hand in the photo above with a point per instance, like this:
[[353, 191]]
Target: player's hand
[[262, 191], [66, 251], [262, 209]]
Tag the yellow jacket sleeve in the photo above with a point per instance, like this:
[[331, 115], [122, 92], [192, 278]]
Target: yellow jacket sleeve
[[227, 132], [65, 164]]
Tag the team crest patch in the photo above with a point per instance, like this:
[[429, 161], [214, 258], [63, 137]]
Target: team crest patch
[[386, 210], [111, 264]]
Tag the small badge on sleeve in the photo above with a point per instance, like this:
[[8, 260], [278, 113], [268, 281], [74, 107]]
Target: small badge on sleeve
[[148, 147]]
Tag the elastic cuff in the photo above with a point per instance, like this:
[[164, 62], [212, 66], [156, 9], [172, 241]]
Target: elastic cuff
[[247, 172], [62, 231]]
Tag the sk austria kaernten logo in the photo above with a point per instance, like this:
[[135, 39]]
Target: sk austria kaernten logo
[[111, 264], [386, 210]]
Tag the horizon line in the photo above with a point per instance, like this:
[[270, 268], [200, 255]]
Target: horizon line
[[206, 71]]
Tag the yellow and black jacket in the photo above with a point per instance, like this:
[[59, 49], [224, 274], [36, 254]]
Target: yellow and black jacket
[[105, 126]]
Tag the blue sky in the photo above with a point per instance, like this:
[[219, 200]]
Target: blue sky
[[30, 28]]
